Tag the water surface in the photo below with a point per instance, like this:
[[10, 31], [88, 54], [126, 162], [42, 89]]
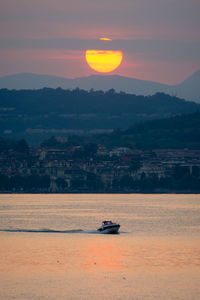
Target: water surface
[[50, 248]]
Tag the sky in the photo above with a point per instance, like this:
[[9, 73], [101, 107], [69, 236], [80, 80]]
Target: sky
[[160, 39]]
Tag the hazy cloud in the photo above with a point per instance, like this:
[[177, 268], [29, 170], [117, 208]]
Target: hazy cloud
[[151, 33], [157, 49]]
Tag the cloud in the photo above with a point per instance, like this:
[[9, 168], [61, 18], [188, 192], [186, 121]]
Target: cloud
[[155, 49], [158, 19], [158, 37]]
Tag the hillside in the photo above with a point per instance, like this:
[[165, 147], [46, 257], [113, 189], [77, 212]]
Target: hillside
[[177, 132], [189, 89], [37, 114]]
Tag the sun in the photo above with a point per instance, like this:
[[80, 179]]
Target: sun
[[103, 61]]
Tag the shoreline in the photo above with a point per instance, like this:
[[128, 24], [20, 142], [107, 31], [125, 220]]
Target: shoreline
[[105, 192]]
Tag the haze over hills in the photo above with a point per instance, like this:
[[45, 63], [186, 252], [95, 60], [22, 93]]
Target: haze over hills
[[189, 89]]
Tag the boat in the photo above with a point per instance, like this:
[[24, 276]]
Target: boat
[[109, 227]]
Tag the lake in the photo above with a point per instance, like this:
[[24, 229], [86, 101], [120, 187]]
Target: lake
[[155, 256]]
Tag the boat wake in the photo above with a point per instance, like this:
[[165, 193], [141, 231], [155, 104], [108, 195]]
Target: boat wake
[[42, 230], [51, 231]]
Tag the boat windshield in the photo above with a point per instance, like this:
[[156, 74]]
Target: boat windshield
[[107, 222]]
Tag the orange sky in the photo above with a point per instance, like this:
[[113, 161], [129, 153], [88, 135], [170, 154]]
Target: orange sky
[[159, 39]]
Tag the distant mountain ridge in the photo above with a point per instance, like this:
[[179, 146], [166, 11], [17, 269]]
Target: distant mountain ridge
[[189, 89]]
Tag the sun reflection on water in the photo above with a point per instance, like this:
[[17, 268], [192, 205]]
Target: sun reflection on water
[[103, 253]]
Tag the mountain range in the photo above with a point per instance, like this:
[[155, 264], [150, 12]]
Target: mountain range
[[189, 89]]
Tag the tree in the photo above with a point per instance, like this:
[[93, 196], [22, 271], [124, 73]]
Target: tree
[[90, 149], [126, 182], [51, 142], [94, 182], [135, 165], [22, 147], [77, 183], [4, 182], [61, 183]]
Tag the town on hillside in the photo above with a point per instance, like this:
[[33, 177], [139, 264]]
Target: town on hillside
[[93, 168]]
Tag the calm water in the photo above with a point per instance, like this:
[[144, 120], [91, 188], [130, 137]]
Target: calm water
[[156, 255]]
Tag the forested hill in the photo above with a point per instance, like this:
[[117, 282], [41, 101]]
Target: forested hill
[[38, 114], [80, 101], [171, 133], [179, 132]]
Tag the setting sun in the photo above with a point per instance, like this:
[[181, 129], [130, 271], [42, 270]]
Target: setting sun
[[105, 39], [103, 60]]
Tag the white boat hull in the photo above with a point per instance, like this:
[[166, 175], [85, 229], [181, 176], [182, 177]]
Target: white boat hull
[[110, 230]]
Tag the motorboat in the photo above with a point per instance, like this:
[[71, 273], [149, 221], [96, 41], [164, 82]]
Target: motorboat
[[109, 227]]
